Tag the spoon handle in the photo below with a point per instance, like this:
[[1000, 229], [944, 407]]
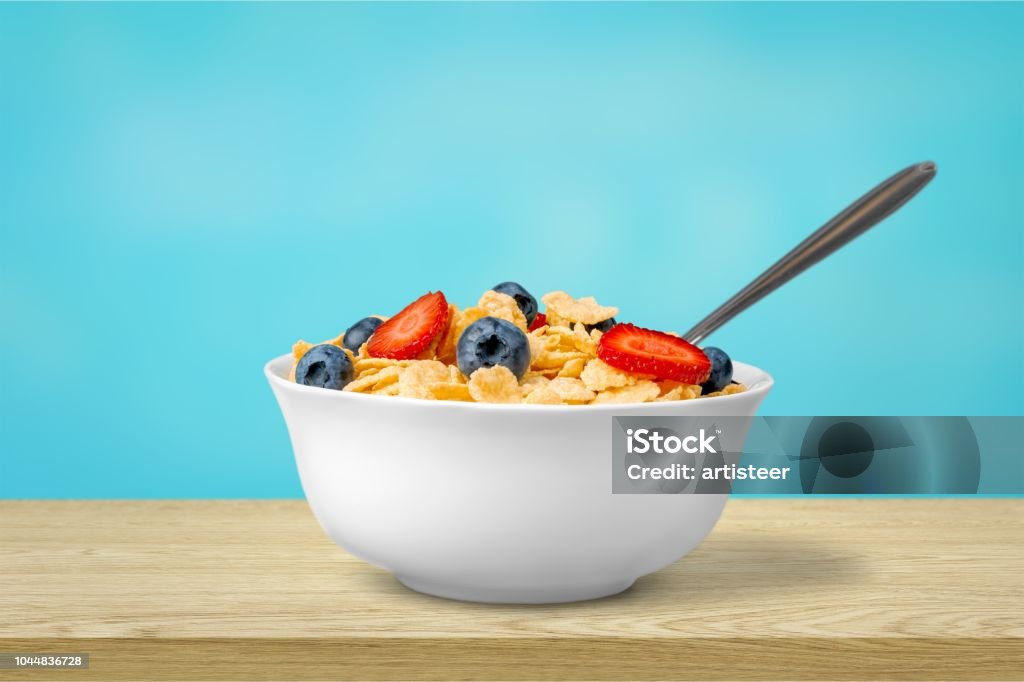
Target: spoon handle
[[854, 220]]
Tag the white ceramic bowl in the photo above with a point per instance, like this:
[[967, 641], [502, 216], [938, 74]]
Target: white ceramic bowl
[[493, 503]]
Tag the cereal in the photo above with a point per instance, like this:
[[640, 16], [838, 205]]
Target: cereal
[[572, 368], [369, 372], [543, 396], [599, 376], [537, 374], [640, 392], [377, 379], [564, 366], [362, 365], [494, 385], [458, 320], [673, 390], [531, 381], [299, 348], [559, 358], [539, 341], [538, 383], [561, 337], [445, 350], [417, 379], [430, 352], [450, 390], [555, 359], [504, 307], [681, 392], [585, 310], [583, 341], [728, 390], [571, 391]]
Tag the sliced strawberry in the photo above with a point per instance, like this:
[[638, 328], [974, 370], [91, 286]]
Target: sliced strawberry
[[645, 351], [408, 333], [539, 321]]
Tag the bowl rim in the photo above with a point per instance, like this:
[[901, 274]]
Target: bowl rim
[[761, 383]]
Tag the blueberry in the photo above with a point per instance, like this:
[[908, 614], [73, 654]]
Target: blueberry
[[602, 326], [721, 370], [489, 342], [524, 299], [325, 366], [359, 333]]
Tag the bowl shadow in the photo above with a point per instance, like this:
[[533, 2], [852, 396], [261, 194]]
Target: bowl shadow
[[738, 566]]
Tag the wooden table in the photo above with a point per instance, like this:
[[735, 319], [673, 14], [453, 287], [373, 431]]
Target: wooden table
[[850, 589]]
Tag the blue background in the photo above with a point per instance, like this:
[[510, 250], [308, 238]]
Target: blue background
[[185, 189]]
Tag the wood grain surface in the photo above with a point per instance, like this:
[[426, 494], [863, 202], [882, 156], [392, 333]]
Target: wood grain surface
[[797, 589]]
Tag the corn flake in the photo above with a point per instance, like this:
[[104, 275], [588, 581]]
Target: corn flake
[[450, 390], [445, 349], [416, 380], [561, 337], [299, 349], [377, 379], [679, 393], [554, 360], [586, 310], [640, 392], [458, 320], [599, 376], [363, 364], [532, 380], [570, 390], [538, 342], [543, 395], [494, 385], [582, 340], [572, 368], [504, 307], [674, 390], [728, 390]]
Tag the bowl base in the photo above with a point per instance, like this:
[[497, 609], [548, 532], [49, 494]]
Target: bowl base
[[512, 595]]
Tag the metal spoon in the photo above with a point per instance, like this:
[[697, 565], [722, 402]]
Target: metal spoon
[[857, 218]]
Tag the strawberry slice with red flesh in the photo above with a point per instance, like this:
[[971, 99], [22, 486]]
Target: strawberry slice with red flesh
[[538, 321], [410, 332], [645, 351]]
